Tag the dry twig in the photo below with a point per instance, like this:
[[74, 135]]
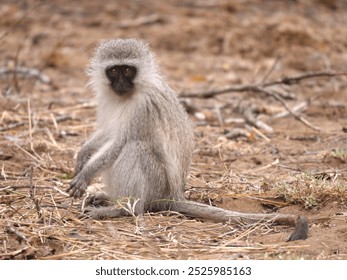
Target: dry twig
[[25, 72], [145, 20], [285, 105], [32, 196], [297, 108], [12, 126], [12, 230], [14, 253], [262, 88]]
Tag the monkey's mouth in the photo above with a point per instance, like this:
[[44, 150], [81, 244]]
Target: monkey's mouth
[[121, 90]]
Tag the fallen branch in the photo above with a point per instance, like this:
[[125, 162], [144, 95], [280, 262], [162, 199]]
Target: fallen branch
[[11, 230], [215, 92], [296, 79], [154, 18], [236, 133], [12, 126], [14, 253], [285, 105], [256, 131], [297, 108], [260, 86], [251, 118], [26, 73]]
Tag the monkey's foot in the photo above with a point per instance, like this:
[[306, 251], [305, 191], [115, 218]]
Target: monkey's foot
[[104, 212], [300, 231], [98, 199], [94, 213]]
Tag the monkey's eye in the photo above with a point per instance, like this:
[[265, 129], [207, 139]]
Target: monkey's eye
[[129, 71], [112, 72]]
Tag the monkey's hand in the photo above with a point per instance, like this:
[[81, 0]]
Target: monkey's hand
[[78, 186]]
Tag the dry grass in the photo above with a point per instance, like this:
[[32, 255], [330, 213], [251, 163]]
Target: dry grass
[[314, 190], [40, 221], [53, 228]]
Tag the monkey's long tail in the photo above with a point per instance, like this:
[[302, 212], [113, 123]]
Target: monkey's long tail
[[203, 211]]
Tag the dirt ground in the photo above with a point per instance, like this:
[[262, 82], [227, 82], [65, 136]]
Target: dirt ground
[[284, 166]]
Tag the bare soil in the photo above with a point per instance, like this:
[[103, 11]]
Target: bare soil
[[200, 45]]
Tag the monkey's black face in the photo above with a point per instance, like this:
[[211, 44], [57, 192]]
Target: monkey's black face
[[121, 78]]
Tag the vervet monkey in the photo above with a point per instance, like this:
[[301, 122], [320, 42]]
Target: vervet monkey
[[144, 142]]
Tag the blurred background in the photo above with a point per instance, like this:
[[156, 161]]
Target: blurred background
[[247, 143]]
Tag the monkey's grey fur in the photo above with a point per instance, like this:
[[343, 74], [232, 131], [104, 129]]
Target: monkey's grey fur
[[143, 144]]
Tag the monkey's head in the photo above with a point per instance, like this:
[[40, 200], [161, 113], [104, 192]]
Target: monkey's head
[[120, 66]]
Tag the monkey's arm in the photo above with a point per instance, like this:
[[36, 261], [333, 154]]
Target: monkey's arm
[[99, 161], [88, 149]]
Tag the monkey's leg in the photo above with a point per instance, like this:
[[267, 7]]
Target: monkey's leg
[[199, 210], [137, 175]]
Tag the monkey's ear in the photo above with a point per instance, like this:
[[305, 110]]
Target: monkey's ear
[[88, 70], [92, 67]]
